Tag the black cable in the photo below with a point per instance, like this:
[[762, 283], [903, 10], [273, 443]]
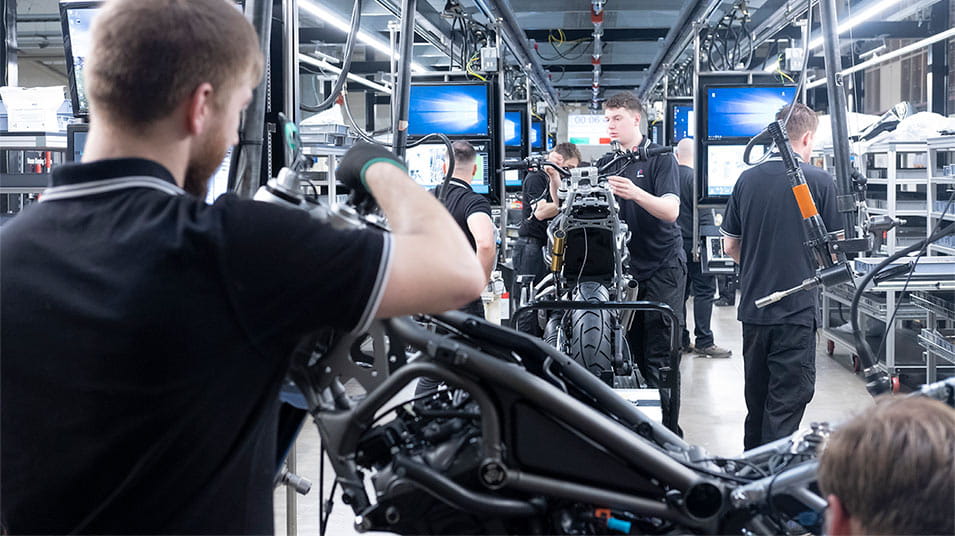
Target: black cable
[[346, 63], [891, 323], [408, 401]]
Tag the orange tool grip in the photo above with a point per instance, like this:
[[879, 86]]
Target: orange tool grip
[[804, 199]]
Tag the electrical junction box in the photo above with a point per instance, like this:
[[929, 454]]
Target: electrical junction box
[[794, 59], [489, 59]]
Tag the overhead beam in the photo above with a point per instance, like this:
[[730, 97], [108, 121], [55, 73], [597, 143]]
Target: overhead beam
[[587, 67], [615, 34], [872, 29]]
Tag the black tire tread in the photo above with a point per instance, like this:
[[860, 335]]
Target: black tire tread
[[591, 336]]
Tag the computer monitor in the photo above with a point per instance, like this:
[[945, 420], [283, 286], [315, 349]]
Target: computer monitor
[[743, 111], [513, 129], [512, 178], [681, 121], [551, 142], [724, 163], [219, 182], [538, 135], [449, 109], [76, 18], [76, 141], [425, 163]]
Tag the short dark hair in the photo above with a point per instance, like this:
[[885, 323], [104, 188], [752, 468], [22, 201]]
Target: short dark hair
[[626, 100], [568, 150], [893, 467], [464, 153], [802, 120], [147, 57]]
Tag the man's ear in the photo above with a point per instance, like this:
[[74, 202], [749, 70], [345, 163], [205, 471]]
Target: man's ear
[[838, 522], [807, 138], [474, 170], [444, 167], [198, 108]]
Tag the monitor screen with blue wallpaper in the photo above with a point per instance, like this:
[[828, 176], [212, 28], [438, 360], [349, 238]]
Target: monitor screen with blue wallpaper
[[682, 115], [537, 135], [513, 129], [449, 109], [743, 111]]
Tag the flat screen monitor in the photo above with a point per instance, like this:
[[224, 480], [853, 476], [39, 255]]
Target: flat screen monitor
[[537, 135], [513, 129], [682, 121], [512, 178], [76, 141], [449, 109], [551, 142], [425, 163], [219, 181], [724, 163], [76, 18], [743, 111]]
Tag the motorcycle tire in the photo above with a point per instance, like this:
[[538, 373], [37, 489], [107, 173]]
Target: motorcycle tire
[[591, 336]]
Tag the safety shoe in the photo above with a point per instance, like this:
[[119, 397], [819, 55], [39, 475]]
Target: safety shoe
[[713, 351], [688, 349]]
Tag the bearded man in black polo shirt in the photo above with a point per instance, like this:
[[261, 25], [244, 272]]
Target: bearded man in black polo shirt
[[649, 195], [145, 333], [763, 232]]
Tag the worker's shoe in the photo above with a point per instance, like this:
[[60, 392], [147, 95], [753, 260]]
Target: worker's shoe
[[713, 351]]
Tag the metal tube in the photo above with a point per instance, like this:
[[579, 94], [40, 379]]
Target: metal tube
[[290, 60], [403, 83], [499, 149], [291, 506], [697, 153], [246, 175], [890, 56], [837, 115], [670, 49]]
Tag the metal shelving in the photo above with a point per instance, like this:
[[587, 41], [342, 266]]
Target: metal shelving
[[939, 179]]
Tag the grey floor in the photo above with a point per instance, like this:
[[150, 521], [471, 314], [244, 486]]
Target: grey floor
[[711, 415]]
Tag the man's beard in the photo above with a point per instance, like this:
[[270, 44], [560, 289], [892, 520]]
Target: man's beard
[[203, 165]]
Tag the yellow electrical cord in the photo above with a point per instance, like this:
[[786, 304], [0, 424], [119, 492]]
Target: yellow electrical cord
[[467, 68]]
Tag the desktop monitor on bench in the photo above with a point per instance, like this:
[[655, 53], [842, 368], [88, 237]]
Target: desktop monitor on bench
[[724, 163], [425, 163], [76, 18], [738, 112], [513, 129]]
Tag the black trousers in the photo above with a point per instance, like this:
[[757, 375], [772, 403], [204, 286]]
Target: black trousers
[[702, 288], [528, 259], [649, 335], [779, 364], [727, 286]]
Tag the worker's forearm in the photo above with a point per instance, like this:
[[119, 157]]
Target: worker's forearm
[[663, 208], [487, 255], [545, 210], [411, 210]]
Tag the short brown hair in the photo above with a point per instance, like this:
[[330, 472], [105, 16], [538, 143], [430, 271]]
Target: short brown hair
[[625, 100], [802, 120], [146, 57], [464, 154], [568, 150], [893, 467]]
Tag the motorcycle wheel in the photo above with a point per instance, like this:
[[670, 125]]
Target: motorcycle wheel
[[591, 336]]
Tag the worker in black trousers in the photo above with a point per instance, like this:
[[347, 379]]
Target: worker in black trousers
[[539, 206], [764, 233], [649, 195], [699, 285]]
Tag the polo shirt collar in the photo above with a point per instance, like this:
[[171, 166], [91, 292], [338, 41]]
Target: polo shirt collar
[[114, 168], [460, 182]]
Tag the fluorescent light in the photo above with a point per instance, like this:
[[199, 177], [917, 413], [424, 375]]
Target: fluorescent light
[[857, 19], [338, 22], [329, 67]]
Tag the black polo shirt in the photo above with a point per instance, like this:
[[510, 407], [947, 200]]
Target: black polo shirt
[[145, 337], [462, 201], [654, 243], [536, 189], [762, 213]]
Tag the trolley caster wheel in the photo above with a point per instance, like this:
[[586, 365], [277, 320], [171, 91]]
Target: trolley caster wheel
[[830, 347], [896, 385], [856, 364]]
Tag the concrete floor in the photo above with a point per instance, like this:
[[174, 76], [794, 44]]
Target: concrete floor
[[712, 415]]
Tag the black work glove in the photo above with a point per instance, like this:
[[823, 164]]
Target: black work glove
[[352, 167]]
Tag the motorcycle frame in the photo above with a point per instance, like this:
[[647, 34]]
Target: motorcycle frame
[[689, 500]]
